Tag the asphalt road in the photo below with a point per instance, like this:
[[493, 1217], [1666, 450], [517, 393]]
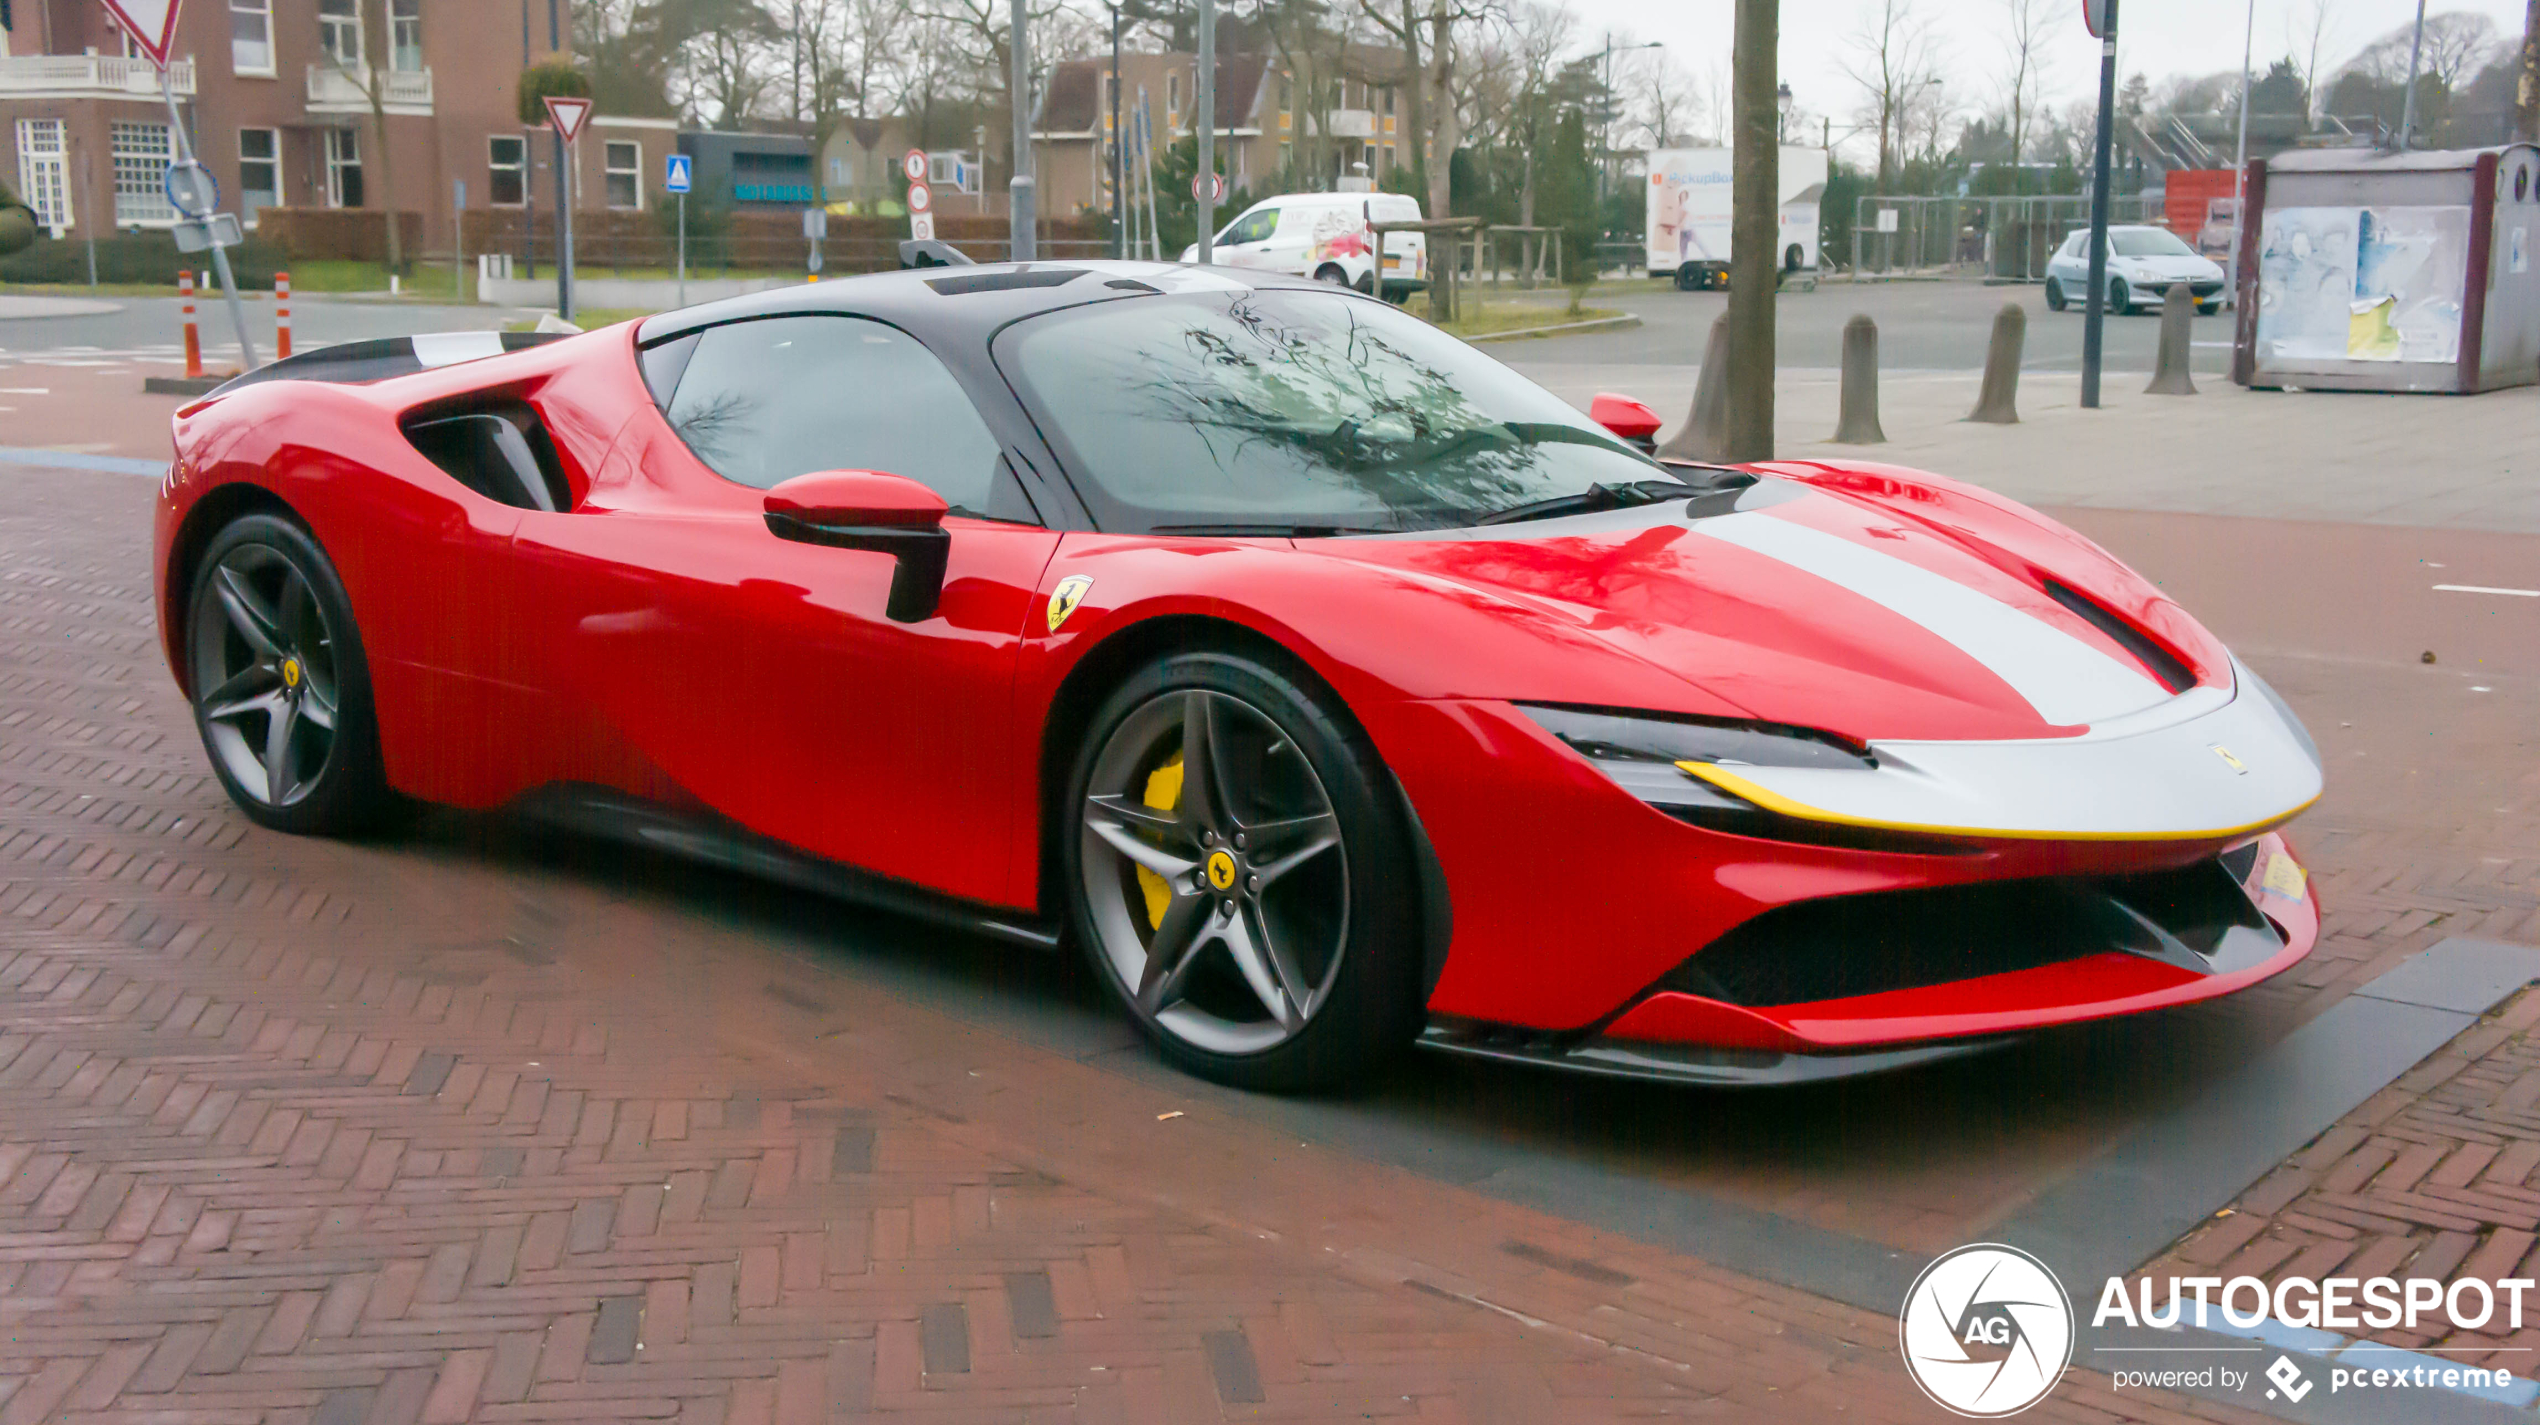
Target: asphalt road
[[1942, 326], [1926, 326]]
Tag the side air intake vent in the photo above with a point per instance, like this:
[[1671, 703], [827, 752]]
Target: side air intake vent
[[2164, 665], [495, 446]]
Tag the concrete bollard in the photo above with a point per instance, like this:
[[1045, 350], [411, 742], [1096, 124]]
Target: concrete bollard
[[193, 338], [1706, 430], [1859, 422], [1998, 403], [2178, 318]]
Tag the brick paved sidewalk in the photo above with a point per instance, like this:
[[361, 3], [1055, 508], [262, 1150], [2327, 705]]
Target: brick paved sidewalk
[[308, 1131]]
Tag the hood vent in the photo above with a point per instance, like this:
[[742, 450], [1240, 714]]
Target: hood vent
[[2171, 670]]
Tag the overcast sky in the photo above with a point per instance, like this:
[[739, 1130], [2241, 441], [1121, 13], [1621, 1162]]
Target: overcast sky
[[2157, 38]]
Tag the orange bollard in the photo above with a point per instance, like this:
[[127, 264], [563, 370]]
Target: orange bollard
[[281, 316], [193, 339]]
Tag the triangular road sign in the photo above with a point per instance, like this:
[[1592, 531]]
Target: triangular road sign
[[568, 115], [151, 23]]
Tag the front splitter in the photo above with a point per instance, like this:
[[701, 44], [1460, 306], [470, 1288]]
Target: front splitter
[[1700, 1064]]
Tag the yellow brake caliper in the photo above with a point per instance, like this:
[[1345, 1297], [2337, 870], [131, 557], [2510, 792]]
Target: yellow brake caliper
[[1164, 789]]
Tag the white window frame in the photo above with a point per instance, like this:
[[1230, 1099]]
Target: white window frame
[[331, 26], [335, 142], [260, 12], [44, 173], [494, 166], [140, 154], [249, 214], [405, 36], [634, 174]]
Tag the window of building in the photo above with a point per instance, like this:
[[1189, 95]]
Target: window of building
[[44, 174], [506, 156], [405, 36], [1388, 101], [340, 32], [142, 154], [1173, 98], [343, 168], [259, 171], [764, 401], [623, 172], [251, 36]]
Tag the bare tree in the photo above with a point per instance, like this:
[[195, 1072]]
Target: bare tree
[[1666, 96], [1894, 55], [2024, 31], [2527, 84], [2307, 33], [1426, 31], [368, 70], [1755, 216]]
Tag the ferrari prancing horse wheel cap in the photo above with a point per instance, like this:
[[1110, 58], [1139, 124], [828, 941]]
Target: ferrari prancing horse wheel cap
[[1221, 871]]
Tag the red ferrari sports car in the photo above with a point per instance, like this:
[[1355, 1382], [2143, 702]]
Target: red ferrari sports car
[[1331, 685]]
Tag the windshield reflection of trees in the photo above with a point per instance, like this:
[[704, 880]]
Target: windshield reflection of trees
[[1349, 407]]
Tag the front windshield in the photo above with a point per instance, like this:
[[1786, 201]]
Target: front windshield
[[1263, 411], [2149, 242]]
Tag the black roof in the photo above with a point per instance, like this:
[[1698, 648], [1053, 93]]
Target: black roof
[[954, 302]]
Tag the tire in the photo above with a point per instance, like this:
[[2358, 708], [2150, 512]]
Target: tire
[[1313, 981], [280, 684], [1332, 273], [1791, 258], [1685, 278], [1367, 284], [2120, 298], [2207, 309], [2055, 294]]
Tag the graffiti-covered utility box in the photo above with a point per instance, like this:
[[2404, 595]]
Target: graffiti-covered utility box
[[2391, 271]]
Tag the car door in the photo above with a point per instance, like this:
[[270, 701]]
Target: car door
[[1247, 240], [728, 671]]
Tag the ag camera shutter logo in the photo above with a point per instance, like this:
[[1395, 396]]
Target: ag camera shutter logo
[[1987, 1331]]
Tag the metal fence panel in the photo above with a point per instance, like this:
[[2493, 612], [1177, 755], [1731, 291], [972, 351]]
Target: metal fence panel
[[2003, 239]]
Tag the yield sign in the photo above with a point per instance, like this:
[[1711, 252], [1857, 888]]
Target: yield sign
[[568, 115], [151, 23]]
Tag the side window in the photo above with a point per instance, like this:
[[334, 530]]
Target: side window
[[1256, 227], [762, 402]]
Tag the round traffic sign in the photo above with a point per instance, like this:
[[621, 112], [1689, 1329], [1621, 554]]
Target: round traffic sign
[[920, 198], [914, 165], [1217, 186], [192, 190]]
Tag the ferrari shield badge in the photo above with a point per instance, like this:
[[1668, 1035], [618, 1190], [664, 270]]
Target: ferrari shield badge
[[1064, 599], [2231, 761]]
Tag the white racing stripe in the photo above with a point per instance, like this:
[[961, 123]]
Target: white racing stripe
[[451, 348], [2067, 681]]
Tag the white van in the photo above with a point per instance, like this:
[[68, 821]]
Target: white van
[[1325, 236]]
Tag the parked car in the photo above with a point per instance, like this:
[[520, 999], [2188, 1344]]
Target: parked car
[[1329, 685], [1325, 236], [2143, 263]]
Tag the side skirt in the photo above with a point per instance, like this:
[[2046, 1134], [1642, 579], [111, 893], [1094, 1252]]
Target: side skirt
[[613, 815]]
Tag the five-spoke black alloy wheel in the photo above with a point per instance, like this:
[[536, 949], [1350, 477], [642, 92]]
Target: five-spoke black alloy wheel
[[1237, 876], [280, 690]]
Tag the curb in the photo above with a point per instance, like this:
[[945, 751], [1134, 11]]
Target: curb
[[1600, 324]]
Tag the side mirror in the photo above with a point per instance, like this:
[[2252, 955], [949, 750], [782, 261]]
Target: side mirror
[[1635, 423], [866, 509]]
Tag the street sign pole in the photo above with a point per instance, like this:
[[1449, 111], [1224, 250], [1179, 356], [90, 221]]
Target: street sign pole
[[683, 249], [564, 233], [1021, 216], [677, 176], [2095, 312], [1204, 106], [220, 255]]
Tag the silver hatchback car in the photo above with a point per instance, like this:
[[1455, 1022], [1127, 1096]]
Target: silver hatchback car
[[2143, 264]]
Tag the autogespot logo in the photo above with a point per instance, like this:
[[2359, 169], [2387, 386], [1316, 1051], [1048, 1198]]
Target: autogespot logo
[[1986, 1331]]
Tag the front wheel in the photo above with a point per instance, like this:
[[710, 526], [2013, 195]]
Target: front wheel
[[280, 686], [1236, 871], [1331, 273], [2054, 294], [2120, 298]]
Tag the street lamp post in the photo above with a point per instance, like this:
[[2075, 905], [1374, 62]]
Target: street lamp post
[[1605, 110], [2095, 307], [1782, 103], [1019, 202]]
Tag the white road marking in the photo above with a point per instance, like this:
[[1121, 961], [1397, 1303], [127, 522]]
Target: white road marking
[[2483, 589]]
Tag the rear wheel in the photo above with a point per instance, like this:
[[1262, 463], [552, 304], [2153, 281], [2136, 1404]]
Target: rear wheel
[[1236, 876], [281, 688], [2055, 301]]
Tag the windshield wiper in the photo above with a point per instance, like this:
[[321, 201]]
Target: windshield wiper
[[1268, 531], [1593, 500]]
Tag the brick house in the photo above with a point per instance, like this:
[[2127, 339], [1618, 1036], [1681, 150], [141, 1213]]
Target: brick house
[[276, 96]]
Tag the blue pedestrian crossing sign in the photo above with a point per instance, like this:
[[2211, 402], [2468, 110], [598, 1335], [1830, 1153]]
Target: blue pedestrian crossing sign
[[674, 177]]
